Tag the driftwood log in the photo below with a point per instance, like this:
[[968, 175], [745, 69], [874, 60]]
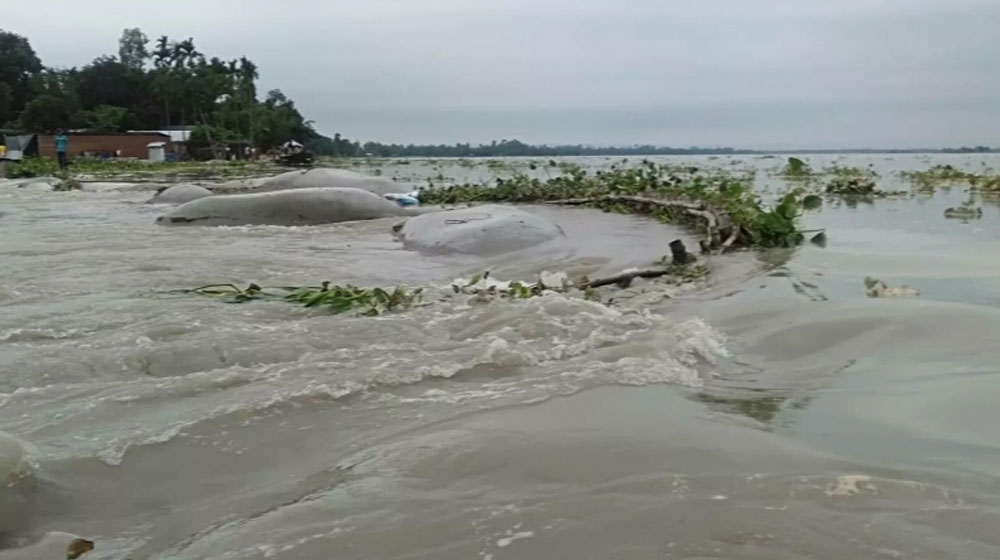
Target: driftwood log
[[624, 278], [716, 224]]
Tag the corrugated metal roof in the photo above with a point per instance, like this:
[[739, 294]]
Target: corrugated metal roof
[[175, 135]]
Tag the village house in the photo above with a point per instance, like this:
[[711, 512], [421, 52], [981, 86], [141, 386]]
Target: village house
[[126, 145]]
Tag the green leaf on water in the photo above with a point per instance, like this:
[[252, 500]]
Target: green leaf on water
[[316, 299], [340, 305], [812, 202], [796, 166]]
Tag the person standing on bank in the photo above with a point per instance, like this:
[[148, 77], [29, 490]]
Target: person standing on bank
[[62, 144]]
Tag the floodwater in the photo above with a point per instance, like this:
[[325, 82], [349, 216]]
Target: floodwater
[[776, 413]]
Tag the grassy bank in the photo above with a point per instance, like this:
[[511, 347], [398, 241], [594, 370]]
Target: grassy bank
[[131, 169]]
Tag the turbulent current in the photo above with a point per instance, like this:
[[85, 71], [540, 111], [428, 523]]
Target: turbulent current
[[776, 413]]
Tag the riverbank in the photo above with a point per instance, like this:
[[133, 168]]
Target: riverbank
[[131, 170]]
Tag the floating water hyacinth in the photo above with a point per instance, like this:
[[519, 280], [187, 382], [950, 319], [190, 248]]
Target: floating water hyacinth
[[721, 204], [338, 299]]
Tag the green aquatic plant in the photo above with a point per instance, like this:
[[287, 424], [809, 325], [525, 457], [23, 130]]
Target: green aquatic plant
[[849, 171], [338, 299], [370, 302], [985, 183], [33, 167], [941, 175], [796, 168], [851, 181], [720, 202], [777, 227], [846, 185], [66, 183]]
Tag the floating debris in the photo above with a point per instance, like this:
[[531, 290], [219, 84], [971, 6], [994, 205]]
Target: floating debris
[[851, 186], [879, 289], [963, 213]]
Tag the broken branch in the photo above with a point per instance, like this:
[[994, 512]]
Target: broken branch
[[691, 208], [624, 278]]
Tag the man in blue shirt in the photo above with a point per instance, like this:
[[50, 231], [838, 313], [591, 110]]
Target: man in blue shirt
[[62, 143]]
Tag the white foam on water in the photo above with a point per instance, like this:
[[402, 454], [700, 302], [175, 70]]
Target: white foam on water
[[548, 345], [851, 485], [18, 459], [35, 335], [519, 536]]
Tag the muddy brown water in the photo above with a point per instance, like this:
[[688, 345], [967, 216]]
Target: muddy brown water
[[775, 413]]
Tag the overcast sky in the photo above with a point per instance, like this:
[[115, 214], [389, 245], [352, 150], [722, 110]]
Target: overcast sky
[[747, 73]]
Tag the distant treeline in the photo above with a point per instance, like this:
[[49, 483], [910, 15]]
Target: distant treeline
[[515, 148], [962, 150], [510, 148]]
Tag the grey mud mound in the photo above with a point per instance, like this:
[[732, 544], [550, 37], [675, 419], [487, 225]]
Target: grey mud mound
[[180, 194], [328, 177], [301, 207], [241, 185], [482, 231]]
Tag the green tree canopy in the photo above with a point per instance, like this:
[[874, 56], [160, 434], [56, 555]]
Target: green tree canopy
[[6, 104], [46, 113], [179, 86], [132, 50], [18, 63], [108, 118]]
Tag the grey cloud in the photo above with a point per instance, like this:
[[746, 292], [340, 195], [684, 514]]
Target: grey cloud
[[806, 73]]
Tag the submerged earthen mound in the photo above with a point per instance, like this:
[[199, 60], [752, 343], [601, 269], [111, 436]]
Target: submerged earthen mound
[[328, 177], [299, 207], [482, 230], [180, 194]]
